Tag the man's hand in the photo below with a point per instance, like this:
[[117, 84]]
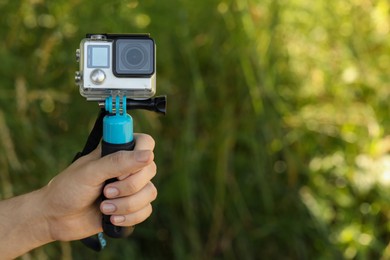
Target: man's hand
[[68, 207], [70, 197]]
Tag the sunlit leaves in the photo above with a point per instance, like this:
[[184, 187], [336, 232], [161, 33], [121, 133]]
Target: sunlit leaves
[[277, 131]]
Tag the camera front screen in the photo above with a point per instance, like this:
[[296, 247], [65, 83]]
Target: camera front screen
[[134, 57], [98, 56]]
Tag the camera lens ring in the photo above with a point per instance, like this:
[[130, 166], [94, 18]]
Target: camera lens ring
[[135, 56]]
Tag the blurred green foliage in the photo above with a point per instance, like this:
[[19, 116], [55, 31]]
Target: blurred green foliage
[[276, 142]]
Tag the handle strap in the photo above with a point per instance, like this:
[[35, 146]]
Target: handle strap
[[96, 243]]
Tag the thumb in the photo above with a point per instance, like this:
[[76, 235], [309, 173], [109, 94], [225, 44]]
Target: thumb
[[119, 163]]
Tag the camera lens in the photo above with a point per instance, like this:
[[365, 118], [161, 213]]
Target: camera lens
[[134, 56]]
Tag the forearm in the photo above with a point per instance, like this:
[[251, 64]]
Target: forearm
[[22, 225]]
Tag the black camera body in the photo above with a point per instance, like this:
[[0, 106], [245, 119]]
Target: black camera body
[[112, 64]]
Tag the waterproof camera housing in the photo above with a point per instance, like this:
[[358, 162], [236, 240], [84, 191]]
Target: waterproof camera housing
[[112, 64]]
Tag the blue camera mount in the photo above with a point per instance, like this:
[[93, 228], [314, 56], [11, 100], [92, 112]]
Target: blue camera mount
[[117, 136]]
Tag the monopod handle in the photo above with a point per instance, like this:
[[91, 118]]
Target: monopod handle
[[108, 228]]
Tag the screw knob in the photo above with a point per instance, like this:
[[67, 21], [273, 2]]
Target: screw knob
[[78, 55], [77, 77]]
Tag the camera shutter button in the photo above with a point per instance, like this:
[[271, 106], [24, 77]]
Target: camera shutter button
[[98, 76]]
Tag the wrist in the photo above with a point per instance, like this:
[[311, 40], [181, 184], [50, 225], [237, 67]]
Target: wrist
[[39, 223], [23, 225]]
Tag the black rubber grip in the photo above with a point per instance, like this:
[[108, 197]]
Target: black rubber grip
[[108, 228]]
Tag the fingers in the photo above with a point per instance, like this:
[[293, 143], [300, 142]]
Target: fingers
[[120, 164], [132, 209], [143, 142], [117, 164], [132, 219], [129, 198], [131, 184], [130, 204]]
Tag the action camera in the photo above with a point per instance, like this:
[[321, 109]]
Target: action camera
[[116, 63]]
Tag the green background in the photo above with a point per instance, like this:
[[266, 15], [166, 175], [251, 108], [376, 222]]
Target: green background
[[276, 142]]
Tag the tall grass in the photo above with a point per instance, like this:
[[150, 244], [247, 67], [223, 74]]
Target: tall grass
[[276, 139]]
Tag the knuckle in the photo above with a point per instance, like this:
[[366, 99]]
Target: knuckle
[[147, 139], [149, 211], [152, 142], [129, 208], [154, 168], [131, 187], [138, 218], [153, 191], [143, 215], [117, 158]]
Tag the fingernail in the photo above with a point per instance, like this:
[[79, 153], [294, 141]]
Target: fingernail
[[108, 208], [111, 192], [118, 219], [142, 156]]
